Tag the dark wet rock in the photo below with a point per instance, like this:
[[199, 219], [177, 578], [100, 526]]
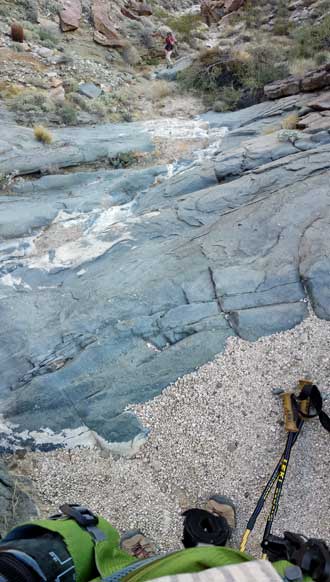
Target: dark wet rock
[[16, 505]]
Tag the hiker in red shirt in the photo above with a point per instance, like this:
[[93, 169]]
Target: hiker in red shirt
[[169, 46]]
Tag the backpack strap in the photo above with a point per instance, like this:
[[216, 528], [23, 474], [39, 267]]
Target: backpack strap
[[90, 540], [311, 392]]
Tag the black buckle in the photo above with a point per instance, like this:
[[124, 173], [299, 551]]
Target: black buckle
[[82, 515]]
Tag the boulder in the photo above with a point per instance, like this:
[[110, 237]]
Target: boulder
[[172, 73], [283, 88], [311, 81], [90, 90], [129, 14], [320, 103], [70, 15], [316, 79], [104, 25], [144, 9], [315, 122], [57, 93], [215, 10], [233, 5]]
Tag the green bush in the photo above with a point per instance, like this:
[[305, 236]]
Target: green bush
[[124, 160], [321, 59], [67, 113], [48, 38], [184, 25], [236, 79], [311, 39]]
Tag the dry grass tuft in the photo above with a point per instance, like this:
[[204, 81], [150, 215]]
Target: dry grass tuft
[[291, 121], [300, 66], [156, 90], [42, 134]]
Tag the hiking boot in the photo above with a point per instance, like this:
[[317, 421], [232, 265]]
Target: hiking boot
[[136, 544], [223, 507]]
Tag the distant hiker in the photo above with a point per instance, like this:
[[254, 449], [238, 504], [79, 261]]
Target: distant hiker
[[169, 46]]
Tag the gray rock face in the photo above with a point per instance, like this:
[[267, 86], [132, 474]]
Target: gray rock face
[[172, 73], [21, 153], [115, 283], [90, 90]]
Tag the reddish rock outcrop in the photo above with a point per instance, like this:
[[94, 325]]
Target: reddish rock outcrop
[[104, 26], [129, 14], [214, 10], [70, 15], [311, 81], [144, 9], [233, 5]]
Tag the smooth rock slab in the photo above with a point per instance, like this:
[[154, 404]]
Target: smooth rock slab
[[90, 90], [114, 284], [23, 154]]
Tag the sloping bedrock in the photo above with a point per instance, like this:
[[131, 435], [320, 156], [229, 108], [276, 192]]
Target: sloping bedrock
[[21, 153], [80, 343], [255, 120]]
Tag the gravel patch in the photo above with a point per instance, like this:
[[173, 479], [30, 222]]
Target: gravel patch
[[218, 430]]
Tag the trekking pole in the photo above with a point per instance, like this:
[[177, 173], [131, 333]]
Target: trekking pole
[[264, 495], [294, 423], [277, 492]]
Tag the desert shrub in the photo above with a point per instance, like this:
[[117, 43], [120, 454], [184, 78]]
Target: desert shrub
[[17, 32], [130, 55], [48, 38], [311, 39], [183, 25], [82, 102], [236, 78], [299, 67], [290, 121], [32, 107], [70, 85], [42, 134], [230, 97], [282, 25], [288, 135], [124, 160], [157, 90], [321, 59], [8, 91], [28, 101], [264, 67], [66, 113], [252, 13], [147, 38], [3, 181]]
